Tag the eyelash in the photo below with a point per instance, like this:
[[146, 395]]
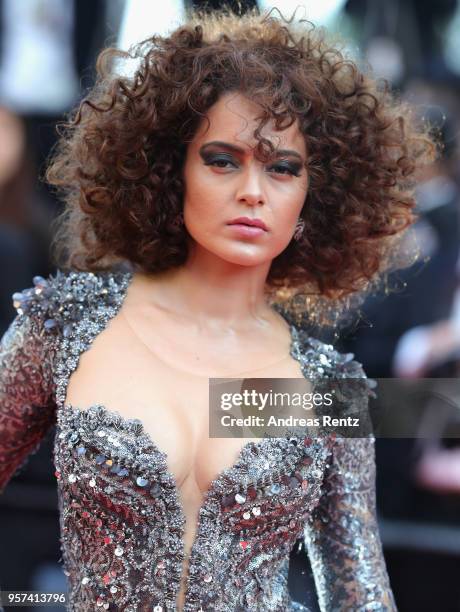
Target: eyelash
[[289, 169]]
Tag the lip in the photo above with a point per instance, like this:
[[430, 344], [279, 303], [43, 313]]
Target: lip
[[247, 222], [246, 231]]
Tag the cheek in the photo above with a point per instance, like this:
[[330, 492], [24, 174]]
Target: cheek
[[290, 205], [200, 209], [301, 198], [200, 193]]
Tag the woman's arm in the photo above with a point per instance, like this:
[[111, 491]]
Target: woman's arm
[[27, 408], [342, 537]]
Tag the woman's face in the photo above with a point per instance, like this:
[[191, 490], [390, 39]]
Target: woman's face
[[224, 181]]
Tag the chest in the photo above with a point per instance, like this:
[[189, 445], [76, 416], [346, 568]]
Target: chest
[[137, 380]]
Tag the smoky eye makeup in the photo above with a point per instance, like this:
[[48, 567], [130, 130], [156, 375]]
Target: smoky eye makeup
[[281, 164], [287, 167], [214, 152], [211, 157]]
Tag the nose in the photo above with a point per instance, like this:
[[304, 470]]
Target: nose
[[250, 189]]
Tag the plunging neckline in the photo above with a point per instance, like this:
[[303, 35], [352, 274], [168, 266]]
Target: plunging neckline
[[206, 498], [293, 342], [126, 422]]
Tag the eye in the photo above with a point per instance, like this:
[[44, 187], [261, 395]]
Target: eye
[[285, 168], [220, 161]]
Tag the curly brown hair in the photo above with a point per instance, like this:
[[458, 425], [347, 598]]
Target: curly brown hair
[[120, 157]]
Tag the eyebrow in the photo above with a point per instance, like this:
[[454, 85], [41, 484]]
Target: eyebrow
[[236, 149]]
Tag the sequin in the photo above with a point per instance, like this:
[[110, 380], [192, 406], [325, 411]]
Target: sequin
[[228, 500], [114, 529]]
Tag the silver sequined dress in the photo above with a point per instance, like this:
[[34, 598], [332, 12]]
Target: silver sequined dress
[[121, 519]]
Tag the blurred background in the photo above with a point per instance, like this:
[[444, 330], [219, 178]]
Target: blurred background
[[410, 329]]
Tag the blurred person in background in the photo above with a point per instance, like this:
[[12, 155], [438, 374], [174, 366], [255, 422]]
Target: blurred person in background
[[427, 331], [47, 52], [415, 44], [432, 347], [422, 294], [24, 221]]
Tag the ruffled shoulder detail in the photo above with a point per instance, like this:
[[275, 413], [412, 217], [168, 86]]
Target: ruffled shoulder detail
[[60, 300], [332, 369], [321, 359]]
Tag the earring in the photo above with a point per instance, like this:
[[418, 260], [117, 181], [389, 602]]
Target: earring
[[178, 220], [299, 228]]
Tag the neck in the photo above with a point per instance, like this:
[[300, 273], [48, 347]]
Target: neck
[[216, 294]]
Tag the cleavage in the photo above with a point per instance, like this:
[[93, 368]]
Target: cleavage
[[172, 404]]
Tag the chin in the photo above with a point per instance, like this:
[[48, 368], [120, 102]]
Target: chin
[[245, 258], [247, 262], [239, 253]]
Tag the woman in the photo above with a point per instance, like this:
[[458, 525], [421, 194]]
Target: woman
[[247, 164]]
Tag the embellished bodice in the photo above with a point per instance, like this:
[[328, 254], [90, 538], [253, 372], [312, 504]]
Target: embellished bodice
[[121, 517]]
